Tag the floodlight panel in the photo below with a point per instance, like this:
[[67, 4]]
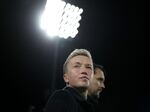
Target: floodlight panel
[[61, 19], [52, 16]]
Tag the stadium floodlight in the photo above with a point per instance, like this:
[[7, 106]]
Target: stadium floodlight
[[61, 19]]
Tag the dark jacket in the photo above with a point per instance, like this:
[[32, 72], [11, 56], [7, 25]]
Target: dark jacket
[[93, 100], [67, 100]]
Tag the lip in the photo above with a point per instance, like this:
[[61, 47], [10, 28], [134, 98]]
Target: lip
[[84, 77]]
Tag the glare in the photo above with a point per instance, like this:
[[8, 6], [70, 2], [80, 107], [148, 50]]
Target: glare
[[60, 19]]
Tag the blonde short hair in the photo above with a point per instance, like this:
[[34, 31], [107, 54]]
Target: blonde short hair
[[74, 53]]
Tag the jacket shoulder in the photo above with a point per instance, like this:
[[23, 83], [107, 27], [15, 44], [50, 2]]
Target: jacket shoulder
[[60, 94], [60, 101]]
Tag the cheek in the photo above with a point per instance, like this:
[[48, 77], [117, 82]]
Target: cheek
[[94, 86], [90, 73], [95, 83], [73, 74]]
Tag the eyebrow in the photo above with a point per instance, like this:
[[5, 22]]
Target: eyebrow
[[80, 64], [77, 63], [89, 65]]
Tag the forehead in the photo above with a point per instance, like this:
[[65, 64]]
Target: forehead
[[99, 73], [81, 59]]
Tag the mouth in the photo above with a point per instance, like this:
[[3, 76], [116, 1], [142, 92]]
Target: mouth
[[100, 90], [84, 77]]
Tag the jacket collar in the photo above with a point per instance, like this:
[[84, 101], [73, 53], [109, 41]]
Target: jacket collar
[[75, 93]]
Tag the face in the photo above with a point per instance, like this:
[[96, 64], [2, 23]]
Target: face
[[79, 72], [97, 83]]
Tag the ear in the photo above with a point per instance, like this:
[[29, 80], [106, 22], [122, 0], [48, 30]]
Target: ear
[[66, 79]]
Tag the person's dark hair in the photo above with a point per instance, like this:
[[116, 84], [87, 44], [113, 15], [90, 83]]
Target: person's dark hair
[[100, 67]]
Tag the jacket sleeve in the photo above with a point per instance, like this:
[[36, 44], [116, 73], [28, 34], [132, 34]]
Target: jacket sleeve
[[58, 102]]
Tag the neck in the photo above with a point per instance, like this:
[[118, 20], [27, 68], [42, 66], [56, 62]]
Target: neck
[[89, 93], [83, 92], [93, 99]]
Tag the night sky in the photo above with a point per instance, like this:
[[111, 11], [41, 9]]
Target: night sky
[[112, 30]]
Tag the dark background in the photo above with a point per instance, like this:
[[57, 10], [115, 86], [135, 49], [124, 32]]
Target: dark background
[[112, 30]]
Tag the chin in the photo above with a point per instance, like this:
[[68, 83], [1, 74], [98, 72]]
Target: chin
[[84, 86], [98, 95]]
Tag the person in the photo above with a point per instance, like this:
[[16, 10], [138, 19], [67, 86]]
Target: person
[[96, 85], [78, 71]]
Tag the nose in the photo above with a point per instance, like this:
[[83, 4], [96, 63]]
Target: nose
[[103, 85], [84, 70]]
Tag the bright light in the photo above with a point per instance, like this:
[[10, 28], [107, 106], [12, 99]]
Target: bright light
[[60, 19]]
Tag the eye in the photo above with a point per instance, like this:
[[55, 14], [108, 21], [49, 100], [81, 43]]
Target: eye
[[89, 67], [76, 66], [101, 80]]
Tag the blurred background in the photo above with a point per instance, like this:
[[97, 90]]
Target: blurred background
[[31, 62]]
